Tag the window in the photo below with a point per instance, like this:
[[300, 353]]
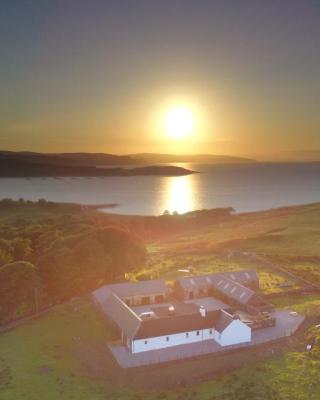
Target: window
[[167, 338], [198, 333], [159, 298], [145, 342], [210, 332], [145, 300], [187, 334]]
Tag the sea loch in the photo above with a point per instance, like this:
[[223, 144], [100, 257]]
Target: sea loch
[[245, 187]]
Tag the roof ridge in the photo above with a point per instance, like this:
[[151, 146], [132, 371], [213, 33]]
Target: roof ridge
[[125, 306]]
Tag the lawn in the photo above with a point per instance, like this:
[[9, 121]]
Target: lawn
[[38, 360], [59, 356], [63, 354]]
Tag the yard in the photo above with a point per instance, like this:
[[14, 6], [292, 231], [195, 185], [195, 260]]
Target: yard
[[63, 355]]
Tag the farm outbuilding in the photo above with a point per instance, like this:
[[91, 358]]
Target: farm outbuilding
[[135, 293], [171, 325], [149, 319], [225, 287]]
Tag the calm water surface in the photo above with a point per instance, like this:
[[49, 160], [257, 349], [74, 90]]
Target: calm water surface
[[244, 187]]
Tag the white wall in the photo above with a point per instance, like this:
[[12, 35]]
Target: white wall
[[237, 332], [161, 342]]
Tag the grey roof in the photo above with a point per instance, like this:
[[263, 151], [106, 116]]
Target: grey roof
[[218, 320], [121, 314], [187, 318], [223, 321], [128, 289], [195, 281], [176, 324], [136, 328], [180, 308], [210, 303], [230, 288]]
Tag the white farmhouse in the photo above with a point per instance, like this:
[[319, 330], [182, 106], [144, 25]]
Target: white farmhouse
[[229, 331], [152, 325]]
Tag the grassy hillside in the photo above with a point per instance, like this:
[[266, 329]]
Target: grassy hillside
[[63, 354], [288, 237], [13, 211]]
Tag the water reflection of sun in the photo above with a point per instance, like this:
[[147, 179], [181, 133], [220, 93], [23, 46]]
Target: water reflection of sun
[[179, 195]]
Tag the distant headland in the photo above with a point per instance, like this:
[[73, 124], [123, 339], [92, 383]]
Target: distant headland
[[104, 159], [12, 168]]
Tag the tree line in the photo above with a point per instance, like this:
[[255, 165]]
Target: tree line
[[49, 260]]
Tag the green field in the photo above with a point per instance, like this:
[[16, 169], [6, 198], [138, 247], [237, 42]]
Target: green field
[[30, 211], [63, 355], [289, 237]]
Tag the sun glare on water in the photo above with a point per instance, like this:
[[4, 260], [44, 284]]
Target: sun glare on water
[[179, 194], [179, 122]]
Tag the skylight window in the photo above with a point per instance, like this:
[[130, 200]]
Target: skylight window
[[242, 294], [233, 289]]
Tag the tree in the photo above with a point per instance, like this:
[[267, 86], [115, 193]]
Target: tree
[[79, 263], [18, 282]]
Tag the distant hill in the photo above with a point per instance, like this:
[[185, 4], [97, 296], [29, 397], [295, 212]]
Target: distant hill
[[299, 156], [194, 158], [102, 159], [76, 159], [11, 168]]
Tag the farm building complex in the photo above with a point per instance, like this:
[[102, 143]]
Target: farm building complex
[[150, 315]]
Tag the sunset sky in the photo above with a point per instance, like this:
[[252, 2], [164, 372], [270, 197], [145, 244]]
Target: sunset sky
[[102, 76]]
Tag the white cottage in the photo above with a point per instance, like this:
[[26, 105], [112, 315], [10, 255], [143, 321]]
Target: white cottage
[[230, 331], [166, 325]]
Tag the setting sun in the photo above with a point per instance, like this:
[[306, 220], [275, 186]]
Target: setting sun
[[179, 122]]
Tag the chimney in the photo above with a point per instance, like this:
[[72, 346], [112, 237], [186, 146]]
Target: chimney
[[202, 311], [171, 310]]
